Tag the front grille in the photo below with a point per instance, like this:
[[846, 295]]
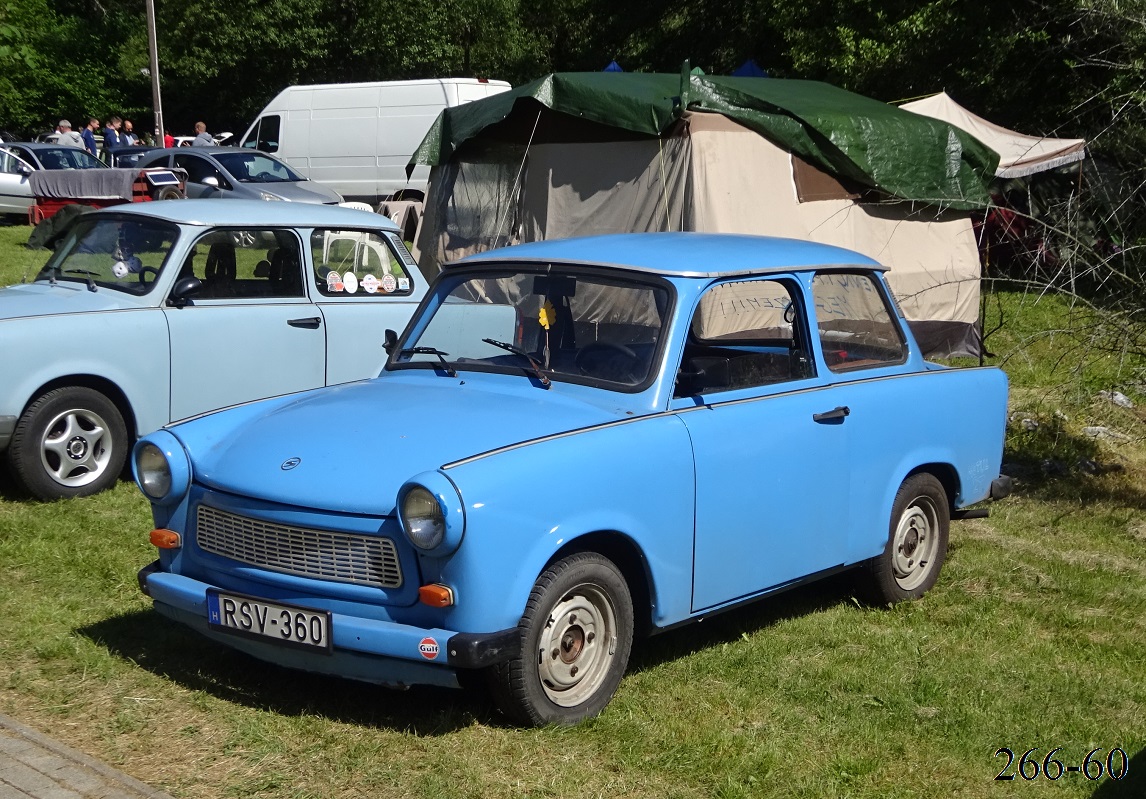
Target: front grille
[[320, 554]]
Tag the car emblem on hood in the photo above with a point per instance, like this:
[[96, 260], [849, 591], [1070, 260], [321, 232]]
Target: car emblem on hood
[[290, 463]]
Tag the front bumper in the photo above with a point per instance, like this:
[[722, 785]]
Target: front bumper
[[374, 651]]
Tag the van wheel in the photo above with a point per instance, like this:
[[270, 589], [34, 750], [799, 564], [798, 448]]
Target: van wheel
[[71, 442], [916, 545], [576, 634]]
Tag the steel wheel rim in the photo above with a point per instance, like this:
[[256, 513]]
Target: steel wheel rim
[[577, 647], [915, 544], [76, 447]]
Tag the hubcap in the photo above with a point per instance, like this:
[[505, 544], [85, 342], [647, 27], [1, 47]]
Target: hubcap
[[916, 539], [577, 646], [76, 447]]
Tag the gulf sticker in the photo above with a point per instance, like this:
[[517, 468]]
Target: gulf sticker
[[389, 283], [333, 281], [350, 281], [429, 648], [369, 284]]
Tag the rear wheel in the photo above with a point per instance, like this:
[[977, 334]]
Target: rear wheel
[[70, 442], [576, 634], [917, 542]]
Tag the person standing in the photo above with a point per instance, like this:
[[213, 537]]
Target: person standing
[[202, 137], [111, 134], [168, 139], [67, 136], [88, 135], [128, 136]]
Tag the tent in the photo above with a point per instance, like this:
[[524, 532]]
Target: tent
[[1019, 154], [587, 153]]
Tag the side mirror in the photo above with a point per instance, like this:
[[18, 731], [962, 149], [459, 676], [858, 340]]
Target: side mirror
[[24, 169], [390, 342], [184, 288], [211, 181], [706, 374]]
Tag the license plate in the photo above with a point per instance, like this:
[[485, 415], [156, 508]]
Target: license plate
[[269, 621]]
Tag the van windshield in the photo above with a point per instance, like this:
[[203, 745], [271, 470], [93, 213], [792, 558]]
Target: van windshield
[[257, 168]]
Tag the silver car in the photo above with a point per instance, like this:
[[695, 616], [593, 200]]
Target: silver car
[[18, 160], [239, 173]]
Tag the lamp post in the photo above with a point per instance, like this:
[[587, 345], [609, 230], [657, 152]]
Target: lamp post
[[153, 47]]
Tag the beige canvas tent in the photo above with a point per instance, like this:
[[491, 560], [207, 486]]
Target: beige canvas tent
[[539, 173], [1019, 154]]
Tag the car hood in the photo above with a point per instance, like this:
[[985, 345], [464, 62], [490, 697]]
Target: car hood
[[44, 299], [354, 445], [306, 191]]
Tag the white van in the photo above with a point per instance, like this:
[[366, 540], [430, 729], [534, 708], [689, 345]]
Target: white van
[[357, 138]]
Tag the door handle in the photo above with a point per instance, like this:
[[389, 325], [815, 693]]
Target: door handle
[[836, 414], [310, 322]]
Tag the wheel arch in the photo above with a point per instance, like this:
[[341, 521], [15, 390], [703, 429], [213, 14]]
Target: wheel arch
[[96, 383], [946, 474], [628, 557]]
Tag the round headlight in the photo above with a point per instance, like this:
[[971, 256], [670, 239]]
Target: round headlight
[[423, 518], [431, 513], [152, 471], [162, 470]]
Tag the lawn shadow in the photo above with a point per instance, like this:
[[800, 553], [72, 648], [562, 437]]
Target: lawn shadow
[[1131, 786], [196, 663], [730, 625]]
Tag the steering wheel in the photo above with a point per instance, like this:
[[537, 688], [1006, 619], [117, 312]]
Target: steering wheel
[[143, 270], [606, 366]]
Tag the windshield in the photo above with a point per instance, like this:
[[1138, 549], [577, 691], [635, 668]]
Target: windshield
[[116, 253], [553, 324], [257, 168], [67, 158]]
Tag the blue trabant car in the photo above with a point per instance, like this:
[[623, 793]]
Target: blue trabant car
[[572, 441], [151, 312]]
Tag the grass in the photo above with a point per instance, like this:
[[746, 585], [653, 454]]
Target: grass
[[1034, 637]]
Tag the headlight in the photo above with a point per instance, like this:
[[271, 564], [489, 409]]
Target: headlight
[[162, 470], [152, 471], [432, 514], [422, 515], [266, 195]]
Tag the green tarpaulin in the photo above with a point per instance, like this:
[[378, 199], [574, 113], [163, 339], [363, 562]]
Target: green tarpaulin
[[855, 138]]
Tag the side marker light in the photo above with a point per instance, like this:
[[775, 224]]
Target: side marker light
[[436, 595], [166, 539]]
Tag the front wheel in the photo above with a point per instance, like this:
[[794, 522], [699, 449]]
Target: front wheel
[[70, 442], [917, 542], [576, 634]]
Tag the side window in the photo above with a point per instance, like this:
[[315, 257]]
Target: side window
[[199, 168], [267, 138], [856, 326], [246, 264], [744, 334], [361, 263]]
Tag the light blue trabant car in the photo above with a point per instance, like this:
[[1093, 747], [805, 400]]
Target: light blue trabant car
[[572, 441], [151, 312]]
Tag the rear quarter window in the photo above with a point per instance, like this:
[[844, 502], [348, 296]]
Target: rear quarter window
[[856, 325]]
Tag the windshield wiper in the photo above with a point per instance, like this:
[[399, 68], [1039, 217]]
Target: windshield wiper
[[519, 351], [85, 273], [431, 351]]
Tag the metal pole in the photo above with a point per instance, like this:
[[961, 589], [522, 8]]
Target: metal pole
[[153, 46]]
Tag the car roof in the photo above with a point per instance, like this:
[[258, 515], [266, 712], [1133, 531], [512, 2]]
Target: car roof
[[686, 254], [38, 145], [211, 150], [246, 213]]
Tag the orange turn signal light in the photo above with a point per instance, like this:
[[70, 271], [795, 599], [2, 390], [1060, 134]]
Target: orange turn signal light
[[436, 595], [166, 539]]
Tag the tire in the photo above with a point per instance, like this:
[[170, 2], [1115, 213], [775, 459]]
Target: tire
[[576, 634], [70, 442], [169, 193], [916, 545]]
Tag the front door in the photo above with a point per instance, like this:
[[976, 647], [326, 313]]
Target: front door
[[770, 448], [251, 331]]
